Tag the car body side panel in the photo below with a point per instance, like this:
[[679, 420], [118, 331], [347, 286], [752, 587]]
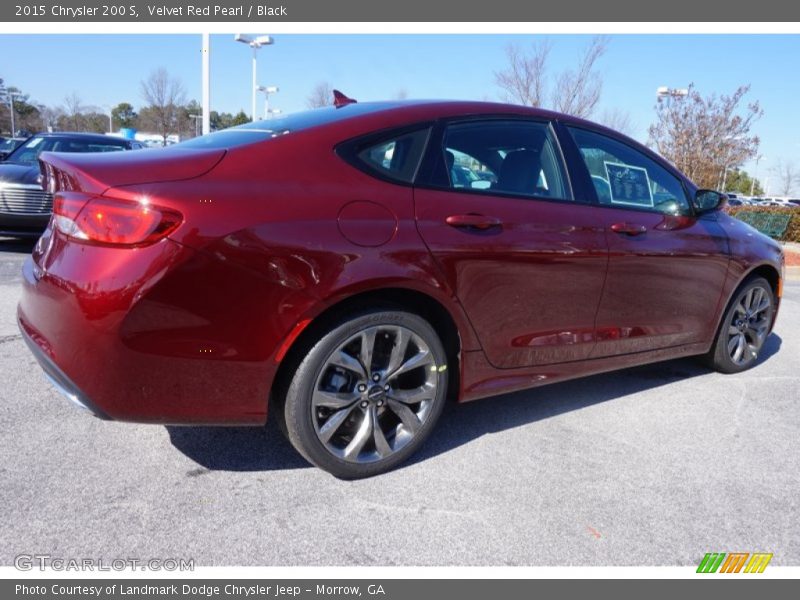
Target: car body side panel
[[481, 379], [531, 286], [663, 286]]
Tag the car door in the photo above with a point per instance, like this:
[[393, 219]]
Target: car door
[[526, 259], [666, 266]]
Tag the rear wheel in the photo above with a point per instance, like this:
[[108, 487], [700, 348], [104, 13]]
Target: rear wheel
[[367, 394], [744, 327]]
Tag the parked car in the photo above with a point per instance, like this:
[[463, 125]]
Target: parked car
[[782, 202], [284, 267], [7, 146], [24, 206]]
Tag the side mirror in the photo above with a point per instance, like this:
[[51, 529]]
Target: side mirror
[[709, 200]]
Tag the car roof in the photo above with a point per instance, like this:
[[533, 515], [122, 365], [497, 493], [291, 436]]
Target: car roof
[[81, 135], [419, 110], [461, 107]]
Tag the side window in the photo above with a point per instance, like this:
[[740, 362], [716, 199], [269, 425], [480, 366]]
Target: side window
[[394, 157], [624, 177], [507, 157]]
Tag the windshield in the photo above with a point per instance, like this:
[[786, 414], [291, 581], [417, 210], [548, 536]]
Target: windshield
[[29, 151], [8, 145]]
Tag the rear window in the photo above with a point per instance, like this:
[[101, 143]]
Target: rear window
[[318, 116], [228, 138], [258, 131]]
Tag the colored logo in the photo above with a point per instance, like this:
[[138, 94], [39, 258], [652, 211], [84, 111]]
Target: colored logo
[[734, 562]]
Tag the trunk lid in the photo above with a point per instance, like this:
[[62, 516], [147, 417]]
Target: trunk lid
[[95, 172]]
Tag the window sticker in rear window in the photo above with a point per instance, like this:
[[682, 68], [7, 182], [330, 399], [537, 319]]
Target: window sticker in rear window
[[629, 185]]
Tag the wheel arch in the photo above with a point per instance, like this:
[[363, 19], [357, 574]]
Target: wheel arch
[[766, 270], [392, 297]]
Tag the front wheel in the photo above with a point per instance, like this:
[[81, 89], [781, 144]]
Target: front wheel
[[367, 394], [744, 327]]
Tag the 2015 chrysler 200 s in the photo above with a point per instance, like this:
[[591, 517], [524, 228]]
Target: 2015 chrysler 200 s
[[330, 262]]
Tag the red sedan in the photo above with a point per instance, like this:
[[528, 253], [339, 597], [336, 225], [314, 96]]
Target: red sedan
[[351, 267]]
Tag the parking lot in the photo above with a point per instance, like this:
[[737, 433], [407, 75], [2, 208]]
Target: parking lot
[[655, 465]]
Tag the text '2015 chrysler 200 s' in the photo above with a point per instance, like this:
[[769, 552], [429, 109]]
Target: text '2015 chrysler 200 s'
[[331, 267]]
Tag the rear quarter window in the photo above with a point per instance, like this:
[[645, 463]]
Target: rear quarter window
[[394, 156]]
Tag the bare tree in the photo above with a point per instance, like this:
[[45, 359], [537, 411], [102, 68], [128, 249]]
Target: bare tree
[[704, 137], [321, 95], [71, 113], [576, 92], [619, 120], [165, 96], [523, 82], [788, 177]]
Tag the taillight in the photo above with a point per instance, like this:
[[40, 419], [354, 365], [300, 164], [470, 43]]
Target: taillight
[[112, 220]]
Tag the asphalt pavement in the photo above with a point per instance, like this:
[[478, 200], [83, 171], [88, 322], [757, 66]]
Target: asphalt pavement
[[654, 465]]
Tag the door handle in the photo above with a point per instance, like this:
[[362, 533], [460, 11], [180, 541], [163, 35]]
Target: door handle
[[629, 228], [481, 222]]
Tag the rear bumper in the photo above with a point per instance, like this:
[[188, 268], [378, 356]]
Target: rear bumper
[[161, 334], [63, 384]]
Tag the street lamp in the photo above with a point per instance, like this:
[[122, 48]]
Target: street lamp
[[669, 93], [267, 90], [255, 43]]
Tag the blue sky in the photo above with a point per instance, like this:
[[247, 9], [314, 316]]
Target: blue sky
[[106, 70]]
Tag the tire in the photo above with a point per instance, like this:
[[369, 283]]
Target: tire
[[744, 328], [355, 422]]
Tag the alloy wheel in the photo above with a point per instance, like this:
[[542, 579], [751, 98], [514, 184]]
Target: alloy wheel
[[374, 393], [749, 324]]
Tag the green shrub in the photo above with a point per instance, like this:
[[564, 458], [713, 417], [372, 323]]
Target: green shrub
[[792, 233]]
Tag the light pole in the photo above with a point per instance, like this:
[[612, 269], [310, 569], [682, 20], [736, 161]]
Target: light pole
[[724, 178], [11, 96], [206, 83], [755, 174], [267, 90], [110, 115], [255, 43], [730, 139]]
